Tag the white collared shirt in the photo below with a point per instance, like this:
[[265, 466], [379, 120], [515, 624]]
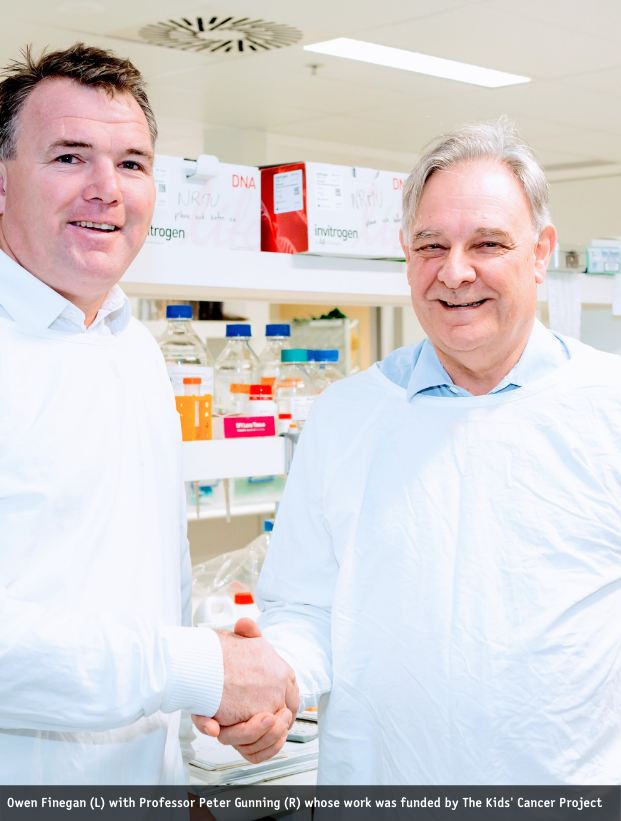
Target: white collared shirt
[[94, 563]]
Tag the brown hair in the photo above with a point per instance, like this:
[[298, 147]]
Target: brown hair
[[87, 65]]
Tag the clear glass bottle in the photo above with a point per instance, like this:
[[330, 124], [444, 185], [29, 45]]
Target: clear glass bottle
[[294, 391], [184, 352], [326, 372], [237, 364], [311, 367], [277, 339]]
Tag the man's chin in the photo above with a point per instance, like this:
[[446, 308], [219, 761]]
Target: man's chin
[[464, 339], [97, 267]]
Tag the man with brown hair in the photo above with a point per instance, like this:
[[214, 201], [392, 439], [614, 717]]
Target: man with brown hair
[[95, 665]]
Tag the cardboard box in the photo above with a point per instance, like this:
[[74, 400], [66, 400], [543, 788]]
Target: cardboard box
[[218, 206], [340, 210], [242, 427]]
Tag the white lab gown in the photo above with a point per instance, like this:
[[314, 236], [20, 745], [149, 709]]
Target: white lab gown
[[449, 570], [94, 563]]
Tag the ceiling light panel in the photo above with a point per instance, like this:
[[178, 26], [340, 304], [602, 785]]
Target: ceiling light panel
[[413, 61]]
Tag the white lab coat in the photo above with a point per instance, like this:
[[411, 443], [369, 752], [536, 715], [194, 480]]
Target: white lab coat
[[449, 570], [94, 562]]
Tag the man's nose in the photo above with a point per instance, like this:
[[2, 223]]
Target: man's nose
[[104, 184], [457, 269]]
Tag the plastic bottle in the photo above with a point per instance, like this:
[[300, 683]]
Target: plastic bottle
[[284, 423], [294, 390], [327, 372], [237, 364], [184, 352], [277, 340], [245, 607], [261, 402]]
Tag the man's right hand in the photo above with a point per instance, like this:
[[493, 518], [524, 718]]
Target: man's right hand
[[256, 678]]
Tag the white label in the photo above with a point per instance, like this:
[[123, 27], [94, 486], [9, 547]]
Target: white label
[[160, 175], [329, 190], [604, 260], [288, 192], [178, 372], [564, 304], [300, 407]]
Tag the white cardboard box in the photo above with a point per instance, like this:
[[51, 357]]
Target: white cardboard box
[[318, 208], [218, 208]]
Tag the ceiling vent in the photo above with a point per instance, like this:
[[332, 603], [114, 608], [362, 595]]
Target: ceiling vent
[[220, 35]]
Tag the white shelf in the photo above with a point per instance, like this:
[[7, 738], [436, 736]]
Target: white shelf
[[162, 271], [233, 458], [165, 271], [595, 289], [219, 512]]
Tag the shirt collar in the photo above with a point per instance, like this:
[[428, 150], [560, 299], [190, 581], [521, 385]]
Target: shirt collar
[[32, 303], [544, 351]]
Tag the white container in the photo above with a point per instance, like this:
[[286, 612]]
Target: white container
[[217, 612], [261, 402], [222, 612], [245, 607], [206, 204]]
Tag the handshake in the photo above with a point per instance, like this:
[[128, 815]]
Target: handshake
[[260, 698]]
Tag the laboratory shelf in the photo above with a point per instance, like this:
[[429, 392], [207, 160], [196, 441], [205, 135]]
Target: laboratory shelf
[[169, 272], [219, 511], [164, 271], [234, 458], [595, 289]]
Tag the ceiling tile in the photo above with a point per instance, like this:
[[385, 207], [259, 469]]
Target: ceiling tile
[[485, 35]]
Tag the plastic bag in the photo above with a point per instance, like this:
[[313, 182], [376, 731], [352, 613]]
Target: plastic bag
[[226, 575]]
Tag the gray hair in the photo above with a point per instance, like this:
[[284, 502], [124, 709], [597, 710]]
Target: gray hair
[[498, 141]]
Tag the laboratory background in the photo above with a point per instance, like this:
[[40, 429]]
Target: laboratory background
[[273, 265]]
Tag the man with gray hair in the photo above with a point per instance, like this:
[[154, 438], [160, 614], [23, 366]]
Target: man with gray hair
[[444, 575]]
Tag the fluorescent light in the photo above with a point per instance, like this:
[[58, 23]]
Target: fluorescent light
[[412, 61]]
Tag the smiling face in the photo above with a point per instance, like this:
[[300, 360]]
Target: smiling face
[[473, 262], [77, 199]]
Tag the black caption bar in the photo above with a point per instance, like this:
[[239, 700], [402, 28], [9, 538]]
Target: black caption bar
[[321, 803]]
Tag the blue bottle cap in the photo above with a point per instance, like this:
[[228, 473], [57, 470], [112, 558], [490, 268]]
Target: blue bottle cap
[[326, 356], [238, 330], [294, 355], [268, 525], [178, 312], [278, 330]]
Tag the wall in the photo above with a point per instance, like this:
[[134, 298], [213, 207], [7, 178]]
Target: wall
[[584, 209]]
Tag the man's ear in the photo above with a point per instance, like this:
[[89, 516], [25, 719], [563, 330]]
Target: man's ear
[[543, 251]]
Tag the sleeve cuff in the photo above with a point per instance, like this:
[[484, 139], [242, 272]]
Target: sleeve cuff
[[195, 670]]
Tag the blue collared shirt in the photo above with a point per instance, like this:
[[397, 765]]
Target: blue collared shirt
[[418, 369]]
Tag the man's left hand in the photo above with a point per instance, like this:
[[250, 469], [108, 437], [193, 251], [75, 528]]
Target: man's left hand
[[263, 735]]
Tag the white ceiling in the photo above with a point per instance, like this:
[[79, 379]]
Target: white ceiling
[[570, 112]]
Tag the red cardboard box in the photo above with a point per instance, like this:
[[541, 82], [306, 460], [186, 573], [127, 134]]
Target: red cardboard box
[[318, 208]]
